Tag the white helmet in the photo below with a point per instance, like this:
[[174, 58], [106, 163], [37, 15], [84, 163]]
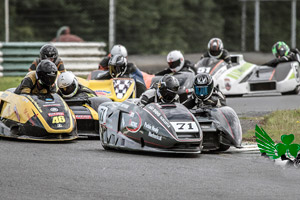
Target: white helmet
[[215, 47], [118, 49], [67, 84], [175, 60]]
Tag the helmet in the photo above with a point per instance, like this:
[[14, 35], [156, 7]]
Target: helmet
[[119, 49], [67, 84], [203, 86], [175, 60], [48, 51], [215, 47], [46, 72], [117, 65], [280, 49], [167, 88]]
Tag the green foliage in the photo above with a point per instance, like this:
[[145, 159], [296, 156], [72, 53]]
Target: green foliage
[[9, 82], [151, 27]]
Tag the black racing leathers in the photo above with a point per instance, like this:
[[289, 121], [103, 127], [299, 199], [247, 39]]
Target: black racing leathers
[[187, 67], [217, 99], [59, 64], [30, 85], [224, 56], [152, 96], [293, 55]]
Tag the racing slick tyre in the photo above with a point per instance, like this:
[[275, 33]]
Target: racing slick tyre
[[223, 147], [295, 91]]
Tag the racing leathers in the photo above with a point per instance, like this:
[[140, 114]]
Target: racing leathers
[[59, 64], [187, 67], [224, 56], [293, 55], [30, 85], [152, 96], [217, 99]]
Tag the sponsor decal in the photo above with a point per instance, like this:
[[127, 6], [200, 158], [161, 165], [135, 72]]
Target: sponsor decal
[[53, 109], [51, 105], [102, 92], [151, 127], [153, 135], [284, 150], [56, 114], [159, 115], [34, 103], [135, 125], [59, 125], [17, 113], [124, 105], [83, 116], [28, 116], [3, 95], [49, 99]]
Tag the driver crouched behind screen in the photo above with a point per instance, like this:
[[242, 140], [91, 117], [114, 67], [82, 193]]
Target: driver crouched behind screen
[[70, 88]]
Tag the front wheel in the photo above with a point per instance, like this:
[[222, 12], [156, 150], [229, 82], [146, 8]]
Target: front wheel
[[223, 147], [295, 91]]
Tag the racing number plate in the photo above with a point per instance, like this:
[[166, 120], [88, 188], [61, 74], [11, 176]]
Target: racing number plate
[[185, 127]]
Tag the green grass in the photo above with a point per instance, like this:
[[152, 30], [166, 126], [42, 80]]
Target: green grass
[[10, 82], [277, 124]]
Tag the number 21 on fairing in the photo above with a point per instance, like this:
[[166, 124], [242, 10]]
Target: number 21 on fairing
[[58, 119], [185, 126]]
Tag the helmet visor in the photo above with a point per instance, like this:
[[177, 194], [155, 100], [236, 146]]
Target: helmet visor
[[169, 95], [202, 91], [69, 89], [48, 80], [215, 52], [174, 64], [114, 71]]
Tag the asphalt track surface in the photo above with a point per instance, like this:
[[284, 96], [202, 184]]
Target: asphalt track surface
[[83, 170]]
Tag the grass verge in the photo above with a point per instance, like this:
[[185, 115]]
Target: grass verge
[[278, 123], [10, 82]]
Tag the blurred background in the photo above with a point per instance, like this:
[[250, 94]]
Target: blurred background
[[154, 26], [149, 29]]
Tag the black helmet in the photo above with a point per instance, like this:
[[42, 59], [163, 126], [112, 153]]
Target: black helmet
[[203, 86], [46, 72], [215, 47], [117, 65], [48, 51], [167, 88]]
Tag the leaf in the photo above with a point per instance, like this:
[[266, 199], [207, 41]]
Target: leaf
[[281, 149], [264, 142], [287, 139], [294, 149]]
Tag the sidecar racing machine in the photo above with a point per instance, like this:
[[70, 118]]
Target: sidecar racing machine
[[168, 128], [32, 117], [248, 78]]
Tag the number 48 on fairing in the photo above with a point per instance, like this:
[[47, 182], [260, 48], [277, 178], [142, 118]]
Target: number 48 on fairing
[[58, 119], [185, 126]]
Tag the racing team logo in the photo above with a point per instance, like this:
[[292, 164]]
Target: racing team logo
[[285, 150]]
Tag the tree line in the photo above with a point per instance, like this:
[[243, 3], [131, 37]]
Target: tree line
[[151, 26]]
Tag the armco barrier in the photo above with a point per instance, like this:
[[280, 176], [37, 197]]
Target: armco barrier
[[81, 58]]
